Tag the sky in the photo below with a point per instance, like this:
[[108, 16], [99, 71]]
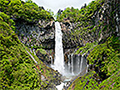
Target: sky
[[55, 5]]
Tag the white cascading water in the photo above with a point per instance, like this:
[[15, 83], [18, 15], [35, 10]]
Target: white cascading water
[[59, 59], [81, 63], [51, 60], [72, 65], [34, 51], [59, 56], [76, 64], [78, 60], [69, 63]]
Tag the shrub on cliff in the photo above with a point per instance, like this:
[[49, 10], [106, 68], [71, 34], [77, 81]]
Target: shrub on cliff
[[92, 81]]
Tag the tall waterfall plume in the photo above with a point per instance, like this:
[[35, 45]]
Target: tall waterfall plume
[[59, 56]]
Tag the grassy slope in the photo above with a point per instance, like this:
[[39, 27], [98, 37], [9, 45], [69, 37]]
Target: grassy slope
[[89, 82], [17, 69], [15, 64]]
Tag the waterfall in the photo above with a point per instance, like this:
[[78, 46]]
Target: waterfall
[[75, 63], [70, 68], [51, 60], [117, 29], [68, 63], [59, 56], [78, 62], [72, 65], [87, 68], [81, 63], [30, 50]]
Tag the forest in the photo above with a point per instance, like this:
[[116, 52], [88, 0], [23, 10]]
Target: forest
[[92, 30]]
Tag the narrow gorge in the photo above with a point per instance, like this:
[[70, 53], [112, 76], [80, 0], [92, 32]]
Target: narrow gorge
[[76, 49]]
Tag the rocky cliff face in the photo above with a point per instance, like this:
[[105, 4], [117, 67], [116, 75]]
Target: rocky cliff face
[[104, 22], [69, 41], [37, 35]]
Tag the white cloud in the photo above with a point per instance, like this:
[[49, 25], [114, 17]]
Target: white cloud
[[55, 5]]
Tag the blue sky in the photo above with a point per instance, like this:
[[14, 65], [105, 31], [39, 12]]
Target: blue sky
[[55, 5]]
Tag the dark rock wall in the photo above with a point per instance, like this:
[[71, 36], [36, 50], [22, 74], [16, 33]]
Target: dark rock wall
[[37, 35]]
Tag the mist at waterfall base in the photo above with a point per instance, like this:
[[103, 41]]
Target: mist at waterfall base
[[76, 63]]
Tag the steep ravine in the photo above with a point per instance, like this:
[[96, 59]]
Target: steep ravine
[[27, 37]]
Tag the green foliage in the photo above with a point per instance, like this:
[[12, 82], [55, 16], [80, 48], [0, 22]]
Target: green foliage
[[69, 12], [85, 13], [106, 56], [90, 82], [17, 69], [15, 64], [86, 48], [113, 82], [86, 82], [96, 35], [28, 11], [84, 19]]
